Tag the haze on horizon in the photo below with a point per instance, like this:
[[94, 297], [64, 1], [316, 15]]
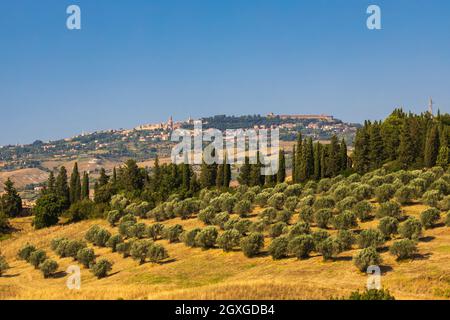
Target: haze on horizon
[[143, 62]]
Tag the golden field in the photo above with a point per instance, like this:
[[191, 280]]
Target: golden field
[[193, 273]]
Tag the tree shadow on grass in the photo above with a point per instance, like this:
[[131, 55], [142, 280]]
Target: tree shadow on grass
[[346, 258], [420, 256], [59, 275], [385, 269], [427, 239], [10, 275], [167, 261]]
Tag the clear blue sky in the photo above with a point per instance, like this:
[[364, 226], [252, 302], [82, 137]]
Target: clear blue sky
[[141, 61]]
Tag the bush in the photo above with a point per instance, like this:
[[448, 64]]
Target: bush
[[114, 241], [3, 265], [227, 203], [61, 249], [283, 216], [371, 294], [403, 249], [86, 257], [139, 249], [294, 190], [252, 244], [113, 217], [72, 248], [126, 229], [384, 192], [344, 220], [324, 202], [323, 217], [221, 219], [363, 210], [37, 257], [298, 229], [262, 198], [48, 267], [124, 248], [173, 233], [242, 225], [228, 240], [207, 215], [307, 201], [306, 214], [341, 192], [157, 253], [447, 219], [365, 258], [258, 226], [346, 238], [444, 204], [328, 248], [188, 237], [411, 229], [430, 217], [301, 246], [370, 238], [290, 204], [324, 185], [154, 231], [347, 203], [101, 268], [390, 209], [440, 185], [268, 214], [319, 236], [432, 197], [138, 230], [278, 248], [388, 226], [363, 192], [405, 194], [277, 229], [206, 238], [92, 233], [26, 251], [277, 201], [102, 237], [243, 208]]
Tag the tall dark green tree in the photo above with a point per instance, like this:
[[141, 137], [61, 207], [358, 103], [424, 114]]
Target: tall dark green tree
[[343, 155], [62, 188], [281, 174], [431, 146], [361, 157], [186, 176], [10, 202], [317, 160], [85, 186], [75, 185], [244, 172], [298, 159], [376, 150], [220, 175], [50, 187], [294, 162], [103, 178], [406, 156], [333, 164], [226, 174], [133, 177]]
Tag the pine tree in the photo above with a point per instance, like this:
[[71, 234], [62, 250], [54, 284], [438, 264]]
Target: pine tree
[[431, 147], [75, 185], [281, 174], [343, 155], [10, 202], [442, 159], [62, 188], [406, 154], [85, 186]]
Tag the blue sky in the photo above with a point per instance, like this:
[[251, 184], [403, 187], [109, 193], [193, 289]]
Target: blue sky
[[141, 61]]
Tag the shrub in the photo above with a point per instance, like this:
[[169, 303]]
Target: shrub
[[221, 219], [390, 209], [328, 248], [277, 201], [262, 198], [440, 185], [114, 241], [298, 229], [411, 229], [419, 185], [268, 214], [371, 294], [341, 192], [101, 268], [206, 238], [157, 253], [347, 203], [124, 248], [3, 265], [323, 217], [403, 249], [37, 257], [301, 246], [26, 251], [346, 238], [257, 226], [306, 214], [363, 210], [388, 226], [283, 216], [276, 229], [290, 204], [365, 258], [430, 217], [207, 215], [61, 249], [294, 190], [138, 230], [154, 231], [119, 202], [173, 233], [432, 197], [307, 201], [228, 240], [370, 238], [319, 236], [92, 233], [227, 203], [344, 220], [444, 204], [324, 202], [243, 208], [252, 244], [278, 248], [113, 217], [86, 257], [139, 249], [72, 248], [102, 237], [363, 192], [384, 192], [243, 226], [405, 194], [447, 220], [126, 228], [188, 237], [48, 267], [280, 187]]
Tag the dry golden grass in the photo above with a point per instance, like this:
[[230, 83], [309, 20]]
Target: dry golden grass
[[192, 273]]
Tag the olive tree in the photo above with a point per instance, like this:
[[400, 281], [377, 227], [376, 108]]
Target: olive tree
[[48, 267], [102, 268], [157, 253], [403, 249], [410, 229], [301, 246], [228, 240], [252, 244], [26, 251], [370, 238], [367, 257], [113, 241], [86, 257], [388, 226], [206, 238], [430, 217], [37, 257]]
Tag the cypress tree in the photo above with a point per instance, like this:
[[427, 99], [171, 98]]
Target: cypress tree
[[375, 147], [431, 147], [317, 160], [103, 179], [51, 183], [85, 186], [226, 174], [406, 154], [244, 173], [361, 159], [323, 162], [281, 174], [10, 202], [333, 164], [298, 159], [294, 153], [186, 176], [194, 184], [309, 158], [343, 155], [75, 185], [220, 176], [62, 188], [442, 159], [114, 176]]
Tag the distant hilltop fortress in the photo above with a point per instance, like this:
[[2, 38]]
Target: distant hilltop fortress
[[321, 117]]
